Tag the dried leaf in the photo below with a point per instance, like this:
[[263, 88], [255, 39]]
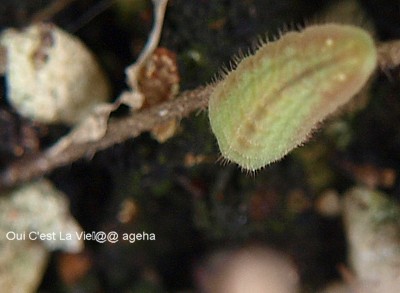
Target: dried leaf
[[158, 82], [159, 77], [94, 126]]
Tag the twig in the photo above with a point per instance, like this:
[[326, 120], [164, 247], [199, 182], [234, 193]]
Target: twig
[[118, 130]]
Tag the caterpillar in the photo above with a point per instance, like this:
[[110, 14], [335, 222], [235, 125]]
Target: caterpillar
[[276, 97]]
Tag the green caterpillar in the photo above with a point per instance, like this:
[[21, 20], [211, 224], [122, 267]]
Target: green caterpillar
[[275, 98]]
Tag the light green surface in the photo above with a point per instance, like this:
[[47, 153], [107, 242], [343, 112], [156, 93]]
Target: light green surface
[[275, 98]]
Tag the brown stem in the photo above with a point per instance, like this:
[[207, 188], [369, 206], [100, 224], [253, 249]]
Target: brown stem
[[118, 130]]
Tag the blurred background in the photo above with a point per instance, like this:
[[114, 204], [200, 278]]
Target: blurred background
[[197, 208]]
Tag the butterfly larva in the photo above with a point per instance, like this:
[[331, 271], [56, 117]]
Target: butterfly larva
[[276, 97]]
